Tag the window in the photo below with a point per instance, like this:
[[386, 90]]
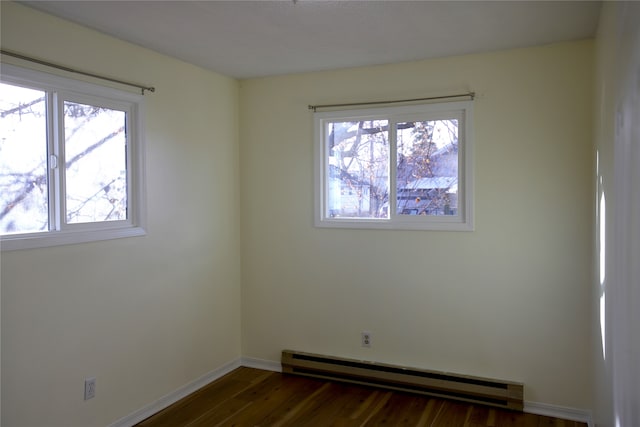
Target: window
[[70, 161], [405, 167]]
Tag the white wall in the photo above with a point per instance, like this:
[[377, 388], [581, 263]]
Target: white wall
[[510, 300], [616, 296], [143, 315]]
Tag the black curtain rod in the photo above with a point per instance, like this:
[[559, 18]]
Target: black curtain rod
[[397, 101], [72, 70]]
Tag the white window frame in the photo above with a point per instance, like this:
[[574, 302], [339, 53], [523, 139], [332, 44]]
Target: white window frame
[[462, 221], [64, 89]]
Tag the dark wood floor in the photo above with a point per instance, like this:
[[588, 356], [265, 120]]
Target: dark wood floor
[[252, 397]]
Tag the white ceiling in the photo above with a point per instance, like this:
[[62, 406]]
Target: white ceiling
[[246, 39]]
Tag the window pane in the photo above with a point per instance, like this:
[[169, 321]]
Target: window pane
[[96, 163], [23, 160], [427, 168], [358, 169]]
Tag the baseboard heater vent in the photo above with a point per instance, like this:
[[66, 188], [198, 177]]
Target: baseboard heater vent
[[502, 394]]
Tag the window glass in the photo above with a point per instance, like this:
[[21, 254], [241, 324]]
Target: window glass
[[358, 169], [96, 164], [427, 167], [24, 203]]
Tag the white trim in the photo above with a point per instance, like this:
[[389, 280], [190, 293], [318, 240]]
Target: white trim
[[52, 82], [57, 238], [132, 105], [563, 412], [267, 365], [171, 398], [462, 221]]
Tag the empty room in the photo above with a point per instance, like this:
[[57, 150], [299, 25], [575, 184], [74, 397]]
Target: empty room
[[190, 188]]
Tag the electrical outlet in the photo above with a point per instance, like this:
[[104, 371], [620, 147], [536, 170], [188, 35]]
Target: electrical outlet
[[89, 388], [366, 339]]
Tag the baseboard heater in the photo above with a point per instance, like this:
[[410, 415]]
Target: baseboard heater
[[484, 391]]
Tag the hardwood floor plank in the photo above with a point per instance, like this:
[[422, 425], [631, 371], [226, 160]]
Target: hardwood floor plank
[[250, 397], [430, 412], [268, 398], [478, 416], [338, 402], [401, 410], [516, 419], [327, 401], [221, 417], [200, 402], [453, 414], [491, 418], [364, 406], [359, 401], [288, 411], [293, 395], [376, 408], [356, 402]]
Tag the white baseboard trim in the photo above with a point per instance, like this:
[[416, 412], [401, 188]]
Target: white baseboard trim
[[267, 365], [176, 395], [563, 412]]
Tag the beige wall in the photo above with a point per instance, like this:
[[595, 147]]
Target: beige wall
[[143, 315], [509, 300], [616, 282]]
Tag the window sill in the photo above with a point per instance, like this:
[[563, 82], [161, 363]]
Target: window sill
[[454, 224], [60, 238]]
